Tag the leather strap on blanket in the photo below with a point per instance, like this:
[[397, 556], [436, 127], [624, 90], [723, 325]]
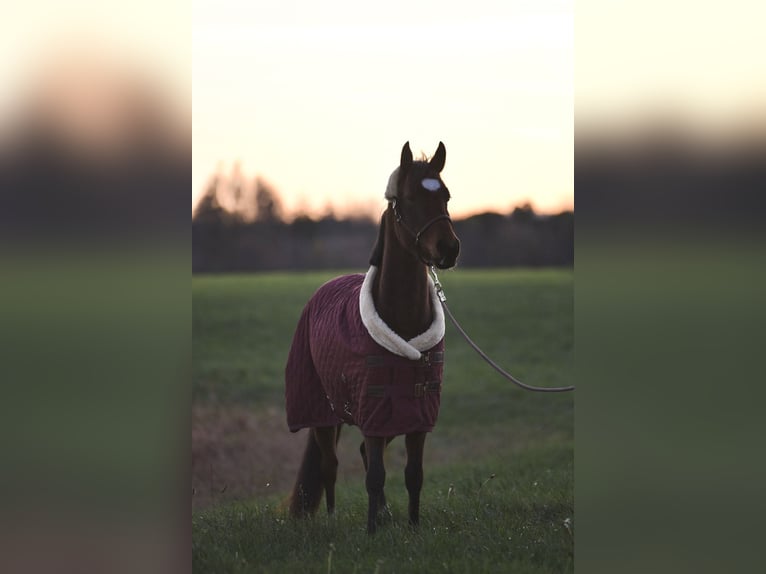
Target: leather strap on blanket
[[426, 359], [417, 390]]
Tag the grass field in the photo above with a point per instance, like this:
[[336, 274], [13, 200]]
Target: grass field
[[497, 495]]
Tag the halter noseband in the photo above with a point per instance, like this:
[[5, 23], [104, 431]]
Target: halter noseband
[[423, 229]]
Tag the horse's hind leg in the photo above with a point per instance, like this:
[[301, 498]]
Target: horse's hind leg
[[327, 439], [413, 473], [383, 505]]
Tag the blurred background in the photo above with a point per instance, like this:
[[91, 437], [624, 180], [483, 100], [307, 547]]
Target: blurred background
[[94, 114], [95, 158], [670, 142]]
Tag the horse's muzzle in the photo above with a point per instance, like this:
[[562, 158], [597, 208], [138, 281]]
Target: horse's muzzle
[[448, 251]]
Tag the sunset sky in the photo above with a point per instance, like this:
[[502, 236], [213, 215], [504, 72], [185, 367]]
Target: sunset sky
[[319, 97]]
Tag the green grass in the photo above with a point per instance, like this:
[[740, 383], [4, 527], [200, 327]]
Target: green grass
[[514, 522], [243, 326]]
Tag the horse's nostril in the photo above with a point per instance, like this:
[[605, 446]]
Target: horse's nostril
[[447, 252], [444, 246], [448, 248]]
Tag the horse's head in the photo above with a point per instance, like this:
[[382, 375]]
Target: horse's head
[[418, 203]]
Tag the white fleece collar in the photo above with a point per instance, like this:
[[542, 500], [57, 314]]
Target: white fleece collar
[[384, 336]]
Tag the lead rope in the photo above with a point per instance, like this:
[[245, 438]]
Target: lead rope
[[493, 364]]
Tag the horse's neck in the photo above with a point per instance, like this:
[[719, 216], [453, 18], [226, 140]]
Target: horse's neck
[[401, 291]]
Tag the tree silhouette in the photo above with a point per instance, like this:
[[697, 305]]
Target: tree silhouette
[[523, 213], [268, 205], [238, 226], [209, 210]]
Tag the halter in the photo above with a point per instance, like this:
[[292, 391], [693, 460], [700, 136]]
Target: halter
[[428, 224]]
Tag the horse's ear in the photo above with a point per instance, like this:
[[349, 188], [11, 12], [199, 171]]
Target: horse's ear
[[404, 166], [376, 257], [406, 156], [437, 162]]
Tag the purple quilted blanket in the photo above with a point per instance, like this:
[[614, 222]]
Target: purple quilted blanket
[[337, 373]]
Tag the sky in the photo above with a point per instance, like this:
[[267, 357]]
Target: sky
[[317, 98]]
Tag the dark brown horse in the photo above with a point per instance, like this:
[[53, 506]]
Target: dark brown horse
[[387, 383]]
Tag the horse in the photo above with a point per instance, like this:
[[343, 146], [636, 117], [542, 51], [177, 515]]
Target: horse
[[369, 348]]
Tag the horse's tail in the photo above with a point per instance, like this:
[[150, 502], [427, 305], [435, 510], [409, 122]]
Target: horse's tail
[[307, 492]]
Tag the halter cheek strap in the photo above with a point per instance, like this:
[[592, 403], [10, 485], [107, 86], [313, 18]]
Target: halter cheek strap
[[423, 229]]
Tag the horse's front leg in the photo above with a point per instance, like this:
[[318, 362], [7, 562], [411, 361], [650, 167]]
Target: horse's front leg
[[376, 479], [383, 505], [413, 473]]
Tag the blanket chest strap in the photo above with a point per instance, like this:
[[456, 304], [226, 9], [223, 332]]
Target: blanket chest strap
[[418, 390], [428, 358]]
